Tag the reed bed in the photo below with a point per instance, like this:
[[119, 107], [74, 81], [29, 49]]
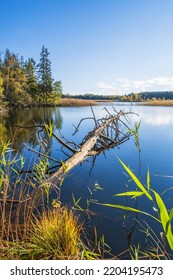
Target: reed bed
[[65, 102], [158, 103], [32, 226]]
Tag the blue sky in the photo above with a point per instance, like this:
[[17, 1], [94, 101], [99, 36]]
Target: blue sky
[[96, 46]]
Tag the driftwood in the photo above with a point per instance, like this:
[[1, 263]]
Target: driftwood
[[108, 132], [94, 143]]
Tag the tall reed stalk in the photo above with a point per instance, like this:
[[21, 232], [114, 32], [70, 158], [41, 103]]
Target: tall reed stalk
[[30, 226]]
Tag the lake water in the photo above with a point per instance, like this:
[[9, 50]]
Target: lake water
[[120, 228]]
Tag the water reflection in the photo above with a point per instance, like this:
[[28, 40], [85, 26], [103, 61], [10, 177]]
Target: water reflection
[[26, 117], [155, 116]]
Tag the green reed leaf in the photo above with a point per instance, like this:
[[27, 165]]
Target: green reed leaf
[[165, 219], [123, 207], [171, 215], [136, 180], [132, 193], [148, 180]]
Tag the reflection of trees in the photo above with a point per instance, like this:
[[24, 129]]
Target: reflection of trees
[[3, 128], [27, 117]]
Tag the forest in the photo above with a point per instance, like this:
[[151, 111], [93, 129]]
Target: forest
[[90, 96], [24, 82]]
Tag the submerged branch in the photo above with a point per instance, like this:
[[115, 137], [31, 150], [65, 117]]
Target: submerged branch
[[64, 143], [40, 154]]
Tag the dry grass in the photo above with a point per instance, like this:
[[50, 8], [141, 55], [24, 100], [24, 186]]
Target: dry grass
[[24, 232], [158, 103], [15, 200], [64, 102], [56, 236]]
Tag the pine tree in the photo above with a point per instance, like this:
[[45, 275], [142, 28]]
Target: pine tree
[[45, 75], [32, 83]]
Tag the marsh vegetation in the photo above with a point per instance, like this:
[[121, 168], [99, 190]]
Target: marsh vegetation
[[137, 215]]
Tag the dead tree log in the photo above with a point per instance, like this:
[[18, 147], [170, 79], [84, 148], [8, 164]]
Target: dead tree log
[[105, 135], [108, 132]]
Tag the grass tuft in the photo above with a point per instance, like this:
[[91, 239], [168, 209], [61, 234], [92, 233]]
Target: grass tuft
[[55, 236]]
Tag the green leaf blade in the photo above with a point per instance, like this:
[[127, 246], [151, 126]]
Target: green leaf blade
[[165, 219], [127, 208], [136, 180], [132, 193], [148, 180]]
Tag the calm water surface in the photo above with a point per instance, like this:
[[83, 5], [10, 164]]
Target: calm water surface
[[156, 141]]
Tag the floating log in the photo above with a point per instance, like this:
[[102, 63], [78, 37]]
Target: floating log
[[94, 143], [108, 132]]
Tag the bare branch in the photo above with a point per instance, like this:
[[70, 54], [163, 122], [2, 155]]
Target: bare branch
[[40, 154], [77, 127], [29, 127], [94, 117], [64, 143], [69, 142]]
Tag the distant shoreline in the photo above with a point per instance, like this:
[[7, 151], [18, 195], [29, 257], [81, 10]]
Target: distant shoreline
[[74, 102]]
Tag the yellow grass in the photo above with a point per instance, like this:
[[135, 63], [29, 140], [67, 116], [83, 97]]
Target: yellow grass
[[158, 103], [53, 236], [75, 102], [56, 236]]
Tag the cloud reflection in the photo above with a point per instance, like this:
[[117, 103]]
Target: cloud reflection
[[150, 115], [156, 116]]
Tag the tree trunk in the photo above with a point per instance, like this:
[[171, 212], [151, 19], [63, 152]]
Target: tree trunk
[[87, 150]]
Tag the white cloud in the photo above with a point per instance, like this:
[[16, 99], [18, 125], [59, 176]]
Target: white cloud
[[105, 86], [125, 86]]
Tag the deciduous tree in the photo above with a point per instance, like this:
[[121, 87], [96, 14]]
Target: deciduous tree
[[14, 80]]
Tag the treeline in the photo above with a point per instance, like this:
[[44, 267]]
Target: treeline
[[24, 82], [143, 96], [89, 96], [132, 97], [167, 95]]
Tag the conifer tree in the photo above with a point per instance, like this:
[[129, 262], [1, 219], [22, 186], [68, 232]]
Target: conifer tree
[[31, 83], [45, 75]]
